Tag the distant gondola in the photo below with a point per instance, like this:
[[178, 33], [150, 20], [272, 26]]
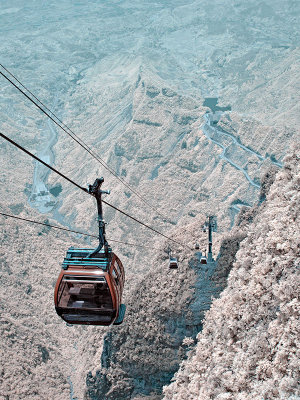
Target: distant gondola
[[203, 260], [173, 263], [90, 286]]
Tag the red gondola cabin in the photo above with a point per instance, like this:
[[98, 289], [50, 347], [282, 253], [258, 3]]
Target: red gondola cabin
[[89, 288]]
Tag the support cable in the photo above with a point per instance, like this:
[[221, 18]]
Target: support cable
[[78, 140], [41, 161], [67, 230], [86, 191]]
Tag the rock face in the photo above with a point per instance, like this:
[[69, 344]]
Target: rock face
[[29, 349], [173, 304], [249, 345], [165, 313]]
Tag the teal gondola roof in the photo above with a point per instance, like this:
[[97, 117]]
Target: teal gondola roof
[[79, 257]]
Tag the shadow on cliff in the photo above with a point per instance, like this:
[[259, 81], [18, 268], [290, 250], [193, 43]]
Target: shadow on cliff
[[164, 315]]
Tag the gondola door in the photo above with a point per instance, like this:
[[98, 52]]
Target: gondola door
[[117, 278], [116, 281]]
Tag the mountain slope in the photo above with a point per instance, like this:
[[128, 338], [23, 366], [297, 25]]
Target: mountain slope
[[249, 346]]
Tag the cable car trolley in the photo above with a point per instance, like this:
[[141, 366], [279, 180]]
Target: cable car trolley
[[173, 262], [89, 288]]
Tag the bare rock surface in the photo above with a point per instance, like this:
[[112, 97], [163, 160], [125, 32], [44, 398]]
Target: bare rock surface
[[174, 306], [164, 308], [249, 345]]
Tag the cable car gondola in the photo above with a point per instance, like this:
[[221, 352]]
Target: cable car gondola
[[173, 262], [90, 286], [203, 259]]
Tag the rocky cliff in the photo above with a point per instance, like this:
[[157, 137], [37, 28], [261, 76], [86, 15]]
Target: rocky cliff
[[249, 345]]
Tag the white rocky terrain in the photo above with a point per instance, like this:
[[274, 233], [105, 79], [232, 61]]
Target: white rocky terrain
[[249, 345], [195, 105]]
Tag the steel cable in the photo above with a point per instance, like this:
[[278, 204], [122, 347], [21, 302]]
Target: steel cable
[[67, 130], [86, 191], [68, 230]]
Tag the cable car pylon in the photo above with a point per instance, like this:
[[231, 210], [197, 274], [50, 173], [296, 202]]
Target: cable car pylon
[[97, 192], [211, 225]]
